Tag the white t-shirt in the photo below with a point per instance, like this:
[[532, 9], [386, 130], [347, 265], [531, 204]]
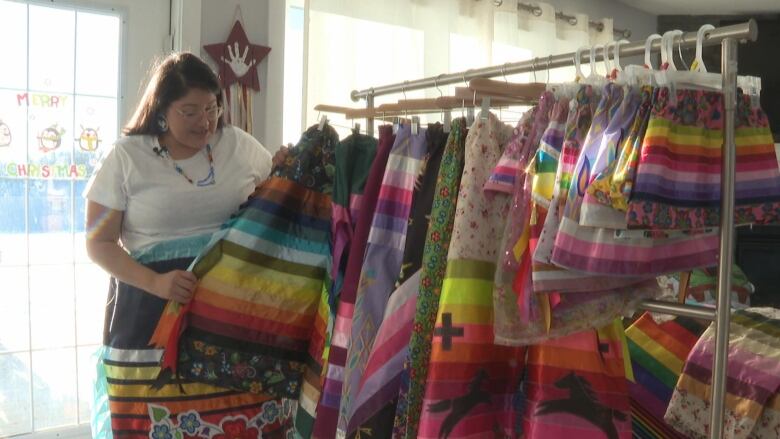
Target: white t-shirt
[[159, 204]]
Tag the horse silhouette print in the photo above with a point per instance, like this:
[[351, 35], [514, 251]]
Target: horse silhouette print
[[582, 402], [460, 405]]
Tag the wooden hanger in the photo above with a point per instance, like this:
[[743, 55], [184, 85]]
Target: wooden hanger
[[469, 97], [325, 108], [512, 94], [503, 89]]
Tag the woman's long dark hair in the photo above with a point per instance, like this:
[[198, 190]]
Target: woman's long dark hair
[[171, 80]]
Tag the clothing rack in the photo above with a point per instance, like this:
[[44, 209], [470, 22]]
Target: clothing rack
[[727, 37]]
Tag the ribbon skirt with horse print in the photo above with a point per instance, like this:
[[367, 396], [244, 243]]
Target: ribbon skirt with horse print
[[576, 387]]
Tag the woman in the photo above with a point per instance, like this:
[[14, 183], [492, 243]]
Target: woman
[[153, 202]]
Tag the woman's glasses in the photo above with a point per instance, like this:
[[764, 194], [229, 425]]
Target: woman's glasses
[[191, 115]]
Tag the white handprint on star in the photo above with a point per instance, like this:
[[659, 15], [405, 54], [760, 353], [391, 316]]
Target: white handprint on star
[[238, 63]]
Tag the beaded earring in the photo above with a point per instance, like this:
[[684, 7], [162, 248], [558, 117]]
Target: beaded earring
[[162, 123]]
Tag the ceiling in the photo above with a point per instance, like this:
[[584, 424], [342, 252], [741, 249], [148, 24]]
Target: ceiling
[[705, 7]]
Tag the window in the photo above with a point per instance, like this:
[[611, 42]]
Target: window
[[293, 72], [59, 101]]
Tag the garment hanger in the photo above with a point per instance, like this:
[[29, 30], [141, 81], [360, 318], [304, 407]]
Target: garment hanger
[[446, 114], [618, 75], [467, 93], [567, 90], [323, 121], [643, 75], [579, 76], [507, 90], [667, 49], [607, 68], [698, 78], [593, 78], [698, 62]]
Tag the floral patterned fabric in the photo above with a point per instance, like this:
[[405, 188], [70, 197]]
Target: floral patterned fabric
[[752, 402], [311, 162], [274, 420], [471, 382], [437, 243]]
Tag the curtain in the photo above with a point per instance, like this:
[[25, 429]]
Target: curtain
[[354, 45]]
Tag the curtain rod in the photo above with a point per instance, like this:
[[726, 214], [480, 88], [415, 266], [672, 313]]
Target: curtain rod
[[536, 11], [742, 31]]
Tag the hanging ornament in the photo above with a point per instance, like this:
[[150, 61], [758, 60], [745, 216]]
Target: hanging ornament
[[237, 58]]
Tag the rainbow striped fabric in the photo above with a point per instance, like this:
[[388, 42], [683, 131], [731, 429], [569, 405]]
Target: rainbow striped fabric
[[255, 306], [678, 180], [602, 251], [382, 261], [140, 406], [471, 382], [375, 405], [328, 406], [752, 385], [258, 317], [354, 156], [658, 352]]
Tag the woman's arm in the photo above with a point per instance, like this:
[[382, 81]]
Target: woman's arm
[[103, 230]]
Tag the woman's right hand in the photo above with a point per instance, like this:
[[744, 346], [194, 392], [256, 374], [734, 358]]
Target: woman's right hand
[[280, 156], [177, 285]]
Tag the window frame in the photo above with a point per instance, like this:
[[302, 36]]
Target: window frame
[[83, 429]]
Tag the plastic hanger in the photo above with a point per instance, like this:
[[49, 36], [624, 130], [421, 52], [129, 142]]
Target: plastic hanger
[[698, 61], [642, 75], [618, 66], [594, 79], [699, 79], [577, 67], [619, 76], [667, 49], [648, 45]]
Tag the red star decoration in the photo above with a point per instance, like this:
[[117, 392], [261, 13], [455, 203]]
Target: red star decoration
[[237, 58]]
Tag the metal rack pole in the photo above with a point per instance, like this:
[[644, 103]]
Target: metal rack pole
[[370, 120], [720, 363], [693, 311], [747, 30]]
